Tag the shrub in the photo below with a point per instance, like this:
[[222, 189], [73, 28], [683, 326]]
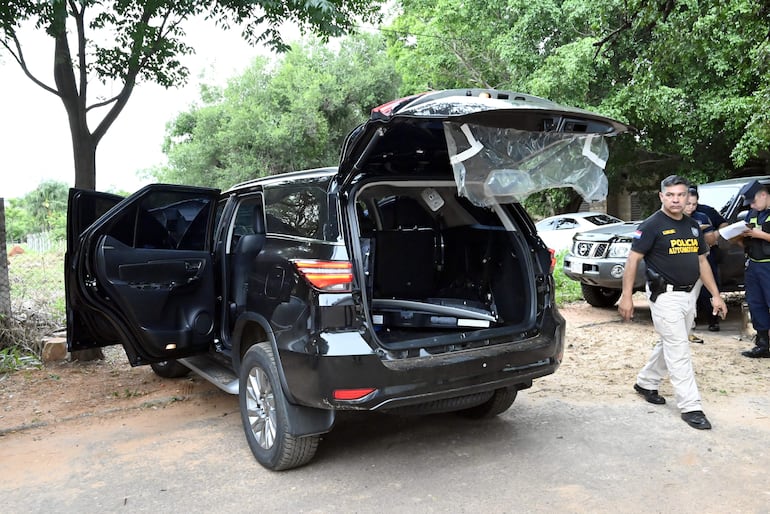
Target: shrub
[[567, 290]]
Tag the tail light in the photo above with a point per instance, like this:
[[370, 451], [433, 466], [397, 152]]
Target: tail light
[[326, 275], [352, 394], [553, 259]]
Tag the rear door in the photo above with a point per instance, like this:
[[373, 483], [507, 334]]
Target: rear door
[[141, 275]]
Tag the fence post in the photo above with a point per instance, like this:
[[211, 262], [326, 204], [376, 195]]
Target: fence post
[[5, 284]]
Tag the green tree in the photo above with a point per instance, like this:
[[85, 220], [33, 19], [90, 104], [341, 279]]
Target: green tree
[[46, 204], [691, 76], [19, 221], [125, 42], [279, 116]]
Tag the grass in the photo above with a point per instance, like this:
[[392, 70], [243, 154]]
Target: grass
[[37, 307], [567, 290]]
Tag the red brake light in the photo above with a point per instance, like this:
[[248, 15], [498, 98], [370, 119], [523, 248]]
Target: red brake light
[[327, 275], [387, 109], [352, 394]]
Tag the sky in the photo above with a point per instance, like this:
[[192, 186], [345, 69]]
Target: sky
[[35, 143]]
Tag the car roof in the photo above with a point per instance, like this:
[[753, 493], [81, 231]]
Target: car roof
[[282, 178]]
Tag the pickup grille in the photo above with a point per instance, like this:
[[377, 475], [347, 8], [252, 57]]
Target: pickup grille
[[589, 249]]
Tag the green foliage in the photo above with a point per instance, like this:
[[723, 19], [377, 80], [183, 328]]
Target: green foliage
[[567, 290], [14, 359], [277, 117], [18, 220], [47, 203], [693, 77], [42, 210]]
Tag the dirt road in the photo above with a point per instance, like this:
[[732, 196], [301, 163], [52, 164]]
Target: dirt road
[[104, 437]]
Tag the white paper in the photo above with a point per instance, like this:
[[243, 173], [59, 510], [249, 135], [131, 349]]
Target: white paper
[[736, 229]]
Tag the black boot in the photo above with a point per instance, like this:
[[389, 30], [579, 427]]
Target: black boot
[[713, 323], [761, 346]]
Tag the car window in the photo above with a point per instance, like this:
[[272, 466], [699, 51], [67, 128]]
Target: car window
[[603, 219], [566, 224], [163, 220], [248, 219], [295, 210]]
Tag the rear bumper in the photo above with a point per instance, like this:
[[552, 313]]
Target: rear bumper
[[312, 379]]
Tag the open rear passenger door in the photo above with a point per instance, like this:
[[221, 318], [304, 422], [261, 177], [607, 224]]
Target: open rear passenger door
[[141, 274]]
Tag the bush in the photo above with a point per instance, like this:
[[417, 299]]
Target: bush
[[567, 290]]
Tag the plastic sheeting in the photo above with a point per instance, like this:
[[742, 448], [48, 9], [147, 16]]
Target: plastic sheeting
[[499, 165]]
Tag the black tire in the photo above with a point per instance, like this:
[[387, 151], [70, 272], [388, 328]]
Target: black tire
[[264, 412], [170, 369], [499, 403], [600, 296]]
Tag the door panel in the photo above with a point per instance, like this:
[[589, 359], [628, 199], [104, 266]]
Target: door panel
[[165, 295], [86, 327], [142, 275]]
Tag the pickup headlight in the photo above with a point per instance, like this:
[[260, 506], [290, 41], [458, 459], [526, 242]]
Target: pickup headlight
[[619, 249]]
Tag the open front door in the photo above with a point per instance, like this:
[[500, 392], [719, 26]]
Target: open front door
[[142, 275]]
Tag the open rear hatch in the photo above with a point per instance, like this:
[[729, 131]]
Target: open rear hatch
[[430, 176]]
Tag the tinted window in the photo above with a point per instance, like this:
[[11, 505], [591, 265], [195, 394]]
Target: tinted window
[[295, 210], [603, 219], [566, 224], [164, 220]]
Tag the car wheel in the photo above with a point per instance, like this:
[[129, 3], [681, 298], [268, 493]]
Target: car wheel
[[264, 412], [600, 296], [499, 403], [170, 369]]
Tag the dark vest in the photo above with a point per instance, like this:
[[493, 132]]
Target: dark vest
[[757, 249]]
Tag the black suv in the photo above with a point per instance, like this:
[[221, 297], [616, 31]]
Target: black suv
[[408, 279]]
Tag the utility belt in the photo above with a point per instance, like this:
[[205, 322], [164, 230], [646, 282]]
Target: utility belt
[[658, 285]]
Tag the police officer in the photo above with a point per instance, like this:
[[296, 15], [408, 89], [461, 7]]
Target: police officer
[[674, 251], [757, 279], [709, 220]]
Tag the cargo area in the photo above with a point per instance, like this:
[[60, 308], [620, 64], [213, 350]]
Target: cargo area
[[435, 264]]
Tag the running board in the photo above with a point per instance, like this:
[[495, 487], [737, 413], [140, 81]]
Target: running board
[[214, 372]]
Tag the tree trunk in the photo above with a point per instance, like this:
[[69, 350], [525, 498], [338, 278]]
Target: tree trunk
[[84, 151], [83, 142]]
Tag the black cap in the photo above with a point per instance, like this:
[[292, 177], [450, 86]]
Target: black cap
[[749, 190]]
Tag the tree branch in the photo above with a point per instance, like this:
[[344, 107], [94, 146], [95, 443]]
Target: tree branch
[[81, 34], [467, 65], [18, 56], [103, 103], [612, 35]]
